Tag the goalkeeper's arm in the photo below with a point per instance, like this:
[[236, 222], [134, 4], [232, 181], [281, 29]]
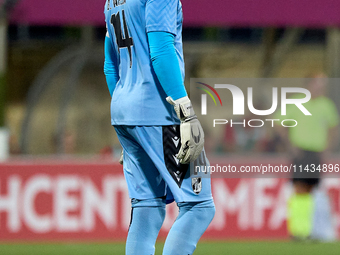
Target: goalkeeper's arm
[[110, 65], [166, 66]]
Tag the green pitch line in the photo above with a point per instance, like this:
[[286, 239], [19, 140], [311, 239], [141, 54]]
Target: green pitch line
[[203, 248]]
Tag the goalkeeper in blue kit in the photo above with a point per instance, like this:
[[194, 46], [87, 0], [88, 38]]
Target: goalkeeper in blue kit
[[156, 124]]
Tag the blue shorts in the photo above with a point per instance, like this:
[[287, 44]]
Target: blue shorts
[[151, 169]]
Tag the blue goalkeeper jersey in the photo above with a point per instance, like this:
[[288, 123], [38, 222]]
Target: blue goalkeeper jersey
[[138, 98]]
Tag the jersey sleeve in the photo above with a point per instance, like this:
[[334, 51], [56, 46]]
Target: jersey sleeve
[[165, 64], [111, 70], [161, 16]]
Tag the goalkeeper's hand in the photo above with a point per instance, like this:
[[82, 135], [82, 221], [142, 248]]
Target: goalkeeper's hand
[[192, 134]]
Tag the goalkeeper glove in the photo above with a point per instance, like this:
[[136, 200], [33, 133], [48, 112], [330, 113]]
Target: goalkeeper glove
[[192, 134]]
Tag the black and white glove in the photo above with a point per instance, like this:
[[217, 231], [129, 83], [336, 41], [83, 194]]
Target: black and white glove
[[192, 134]]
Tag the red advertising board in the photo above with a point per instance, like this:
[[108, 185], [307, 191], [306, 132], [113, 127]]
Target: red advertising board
[[89, 201], [307, 13]]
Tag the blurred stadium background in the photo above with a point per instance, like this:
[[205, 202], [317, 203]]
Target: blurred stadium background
[[60, 184]]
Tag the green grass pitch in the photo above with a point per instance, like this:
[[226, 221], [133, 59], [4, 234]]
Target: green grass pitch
[[206, 248]]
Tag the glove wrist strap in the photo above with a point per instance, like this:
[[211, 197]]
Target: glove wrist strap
[[183, 108]]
